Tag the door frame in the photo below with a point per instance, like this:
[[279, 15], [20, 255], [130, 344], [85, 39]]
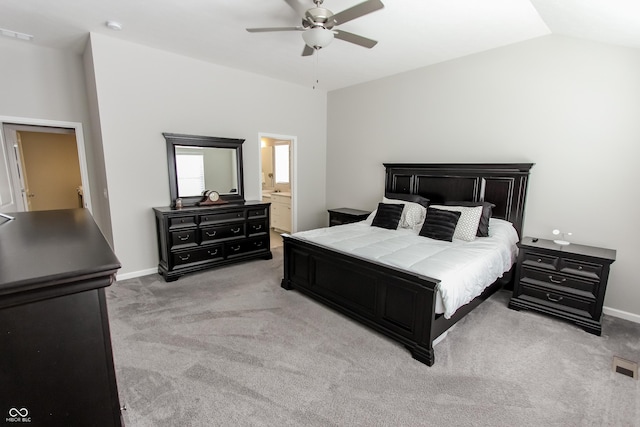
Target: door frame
[[80, 143], [294, 171]]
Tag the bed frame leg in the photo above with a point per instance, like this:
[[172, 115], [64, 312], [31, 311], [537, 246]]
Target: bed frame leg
[[285, 284], [422, 355]]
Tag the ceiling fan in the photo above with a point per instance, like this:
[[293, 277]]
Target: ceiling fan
[[318, 25]]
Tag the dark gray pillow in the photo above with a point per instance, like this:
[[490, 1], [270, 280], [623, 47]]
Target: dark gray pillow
[[408, 198], [483, 226], [388, 215], [440, 224]]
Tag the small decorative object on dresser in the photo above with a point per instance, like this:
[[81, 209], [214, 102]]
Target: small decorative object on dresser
[[566, 281], [346, 216]]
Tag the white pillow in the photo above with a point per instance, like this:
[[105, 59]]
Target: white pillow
[[467, 226], [412, 213]]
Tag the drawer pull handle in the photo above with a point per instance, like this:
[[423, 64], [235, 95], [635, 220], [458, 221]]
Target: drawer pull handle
[[210, 233], [552, 299], [579, 267], [258, 244], [235, 248], [257, 227], [184, 258], [235, 230], [213, 252], [184, 238], [539, 259], [557, 282]]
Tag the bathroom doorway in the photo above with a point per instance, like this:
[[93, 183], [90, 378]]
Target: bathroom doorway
[[277, 176]]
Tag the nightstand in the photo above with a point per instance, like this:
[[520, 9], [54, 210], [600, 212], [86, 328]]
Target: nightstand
[[568, 282], [346, 215]]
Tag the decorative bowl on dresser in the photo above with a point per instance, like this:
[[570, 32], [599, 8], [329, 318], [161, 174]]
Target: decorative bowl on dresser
[[566, 281], [199, 238], [346, 216]]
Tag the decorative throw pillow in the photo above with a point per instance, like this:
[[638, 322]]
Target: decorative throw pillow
[[440, 224], [467, 226], [487, 207], [412, 214], [388, 215]]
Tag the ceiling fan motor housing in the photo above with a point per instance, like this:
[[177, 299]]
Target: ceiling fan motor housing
[[318, 17]]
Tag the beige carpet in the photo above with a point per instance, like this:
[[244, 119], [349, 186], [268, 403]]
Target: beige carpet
[[230, 347]]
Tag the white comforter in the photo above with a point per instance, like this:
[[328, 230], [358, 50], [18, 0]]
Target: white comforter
[[464, 269]]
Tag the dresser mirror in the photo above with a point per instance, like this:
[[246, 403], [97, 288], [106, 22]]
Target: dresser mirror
[[198, 163]]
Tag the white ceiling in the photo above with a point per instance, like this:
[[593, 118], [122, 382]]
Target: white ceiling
[[411, 33]]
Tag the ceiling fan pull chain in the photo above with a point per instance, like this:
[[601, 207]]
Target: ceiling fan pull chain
[[317, 81]]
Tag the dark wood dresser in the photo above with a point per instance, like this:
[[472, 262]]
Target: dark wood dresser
[[199, 238], [56, 363], [341, 216], [567, 281]]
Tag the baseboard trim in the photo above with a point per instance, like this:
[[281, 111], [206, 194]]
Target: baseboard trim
[[621, 314], [134, 274]]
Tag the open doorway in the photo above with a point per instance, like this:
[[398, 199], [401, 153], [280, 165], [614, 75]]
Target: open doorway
[[42, 168], [277, 174]]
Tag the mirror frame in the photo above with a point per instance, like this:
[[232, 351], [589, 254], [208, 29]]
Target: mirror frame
[[174, 139]]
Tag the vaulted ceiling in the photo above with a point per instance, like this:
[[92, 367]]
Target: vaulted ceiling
[[410, 33]]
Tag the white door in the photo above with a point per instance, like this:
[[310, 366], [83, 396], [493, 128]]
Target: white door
[[10, 195]]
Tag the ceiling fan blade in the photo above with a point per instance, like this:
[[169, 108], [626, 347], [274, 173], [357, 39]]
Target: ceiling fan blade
[[354, 38], [357, 11], [268, 29], [296, 6], [308, 50]]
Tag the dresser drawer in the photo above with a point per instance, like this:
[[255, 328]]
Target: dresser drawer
[[210, 253], [257, 212], [581, 268], [183, 238], [214, 218], [182, 221], [560, 282], [258, 227], [559, 301], [241, 247], [548, 262], [226, 231]]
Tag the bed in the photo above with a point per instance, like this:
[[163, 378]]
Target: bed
[[400, 303]]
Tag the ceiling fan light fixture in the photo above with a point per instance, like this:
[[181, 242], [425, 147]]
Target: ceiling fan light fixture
[[317, 37]]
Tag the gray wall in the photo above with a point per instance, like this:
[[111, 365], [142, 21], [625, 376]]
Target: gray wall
[[142, 92], [49, 84], [571, 107]]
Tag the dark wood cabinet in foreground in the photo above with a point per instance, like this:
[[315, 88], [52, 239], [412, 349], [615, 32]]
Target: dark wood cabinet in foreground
[[56, 362], [568, 282], [199, 238]]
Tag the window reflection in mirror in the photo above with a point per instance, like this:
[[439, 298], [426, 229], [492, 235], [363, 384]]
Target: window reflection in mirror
[[200, 168]]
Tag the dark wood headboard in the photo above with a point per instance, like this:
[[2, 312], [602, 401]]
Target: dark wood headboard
[[503, 184]]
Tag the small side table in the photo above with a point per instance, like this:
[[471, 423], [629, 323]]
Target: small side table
[[346, 215], [568, 282]]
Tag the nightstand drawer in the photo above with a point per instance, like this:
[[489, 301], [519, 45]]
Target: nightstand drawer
[[558, 301], [580, 268], [561, 282], [540, 260]]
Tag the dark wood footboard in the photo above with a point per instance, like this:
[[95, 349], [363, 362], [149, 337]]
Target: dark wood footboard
[[397, 304]]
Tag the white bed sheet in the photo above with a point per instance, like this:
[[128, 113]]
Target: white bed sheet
[[464, 269]]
